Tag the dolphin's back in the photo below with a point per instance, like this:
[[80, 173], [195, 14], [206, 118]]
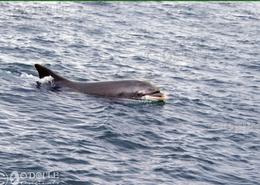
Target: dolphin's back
[[123, 88]]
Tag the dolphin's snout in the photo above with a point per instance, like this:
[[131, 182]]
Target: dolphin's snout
[[155, 96]]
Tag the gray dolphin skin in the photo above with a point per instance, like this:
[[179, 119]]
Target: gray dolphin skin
[[129, 89]]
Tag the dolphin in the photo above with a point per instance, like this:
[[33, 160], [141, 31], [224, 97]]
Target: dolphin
[[127, 89]]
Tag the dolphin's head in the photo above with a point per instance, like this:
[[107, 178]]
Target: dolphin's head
[[146, 91]]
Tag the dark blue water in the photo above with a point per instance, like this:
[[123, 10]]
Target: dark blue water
[[206, 56]]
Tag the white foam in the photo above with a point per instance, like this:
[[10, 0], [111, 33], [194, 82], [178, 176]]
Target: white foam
[[25, 75], [46, 79]]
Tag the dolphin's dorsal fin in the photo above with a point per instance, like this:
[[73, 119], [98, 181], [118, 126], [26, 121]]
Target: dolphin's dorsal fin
[[43, 72]]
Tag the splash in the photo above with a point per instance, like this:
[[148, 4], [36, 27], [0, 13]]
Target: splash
[[46, 81], [25, 75]]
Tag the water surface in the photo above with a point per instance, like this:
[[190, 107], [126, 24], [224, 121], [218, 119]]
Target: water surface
[[204, 55]]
